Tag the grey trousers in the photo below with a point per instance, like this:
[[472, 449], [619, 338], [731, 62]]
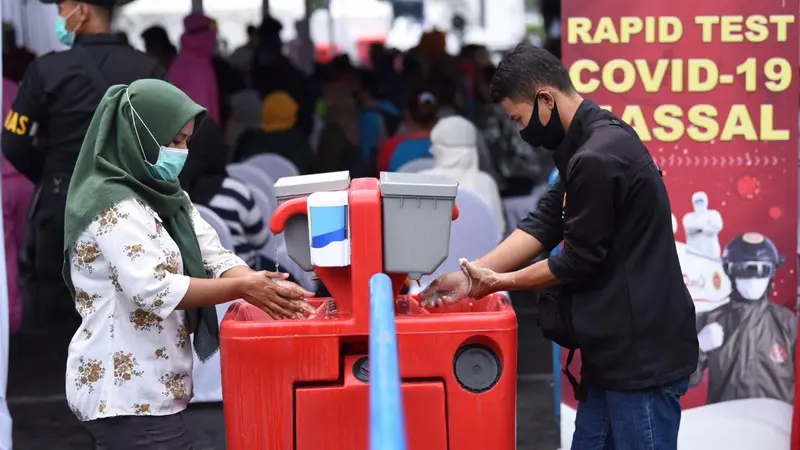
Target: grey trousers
[[140, 432]]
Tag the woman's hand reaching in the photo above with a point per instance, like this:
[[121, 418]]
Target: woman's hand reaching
[[275, 295]]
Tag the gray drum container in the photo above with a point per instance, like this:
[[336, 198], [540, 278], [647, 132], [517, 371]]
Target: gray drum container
[[296, 232], [417, 215]]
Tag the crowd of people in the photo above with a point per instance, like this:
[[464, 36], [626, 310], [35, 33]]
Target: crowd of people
[[398, 107], [94, 143]]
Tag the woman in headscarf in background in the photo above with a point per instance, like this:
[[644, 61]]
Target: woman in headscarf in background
[[278, 133], [17, 196], [192, 71], [454, 146], [145, 271]]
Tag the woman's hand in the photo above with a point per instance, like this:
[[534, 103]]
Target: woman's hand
[[278, 297]]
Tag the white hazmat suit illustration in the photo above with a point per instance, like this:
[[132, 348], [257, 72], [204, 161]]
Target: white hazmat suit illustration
[[702, 227]]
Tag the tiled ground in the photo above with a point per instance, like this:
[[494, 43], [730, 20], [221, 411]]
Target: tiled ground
[[42, 420]]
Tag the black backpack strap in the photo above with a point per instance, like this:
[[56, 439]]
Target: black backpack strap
[[578, 388]]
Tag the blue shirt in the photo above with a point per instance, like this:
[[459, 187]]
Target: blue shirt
[[409, 150]]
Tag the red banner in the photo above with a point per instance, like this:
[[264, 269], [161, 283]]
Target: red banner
[[711, 88]]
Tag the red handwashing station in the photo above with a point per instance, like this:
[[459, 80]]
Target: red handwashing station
[[304, 384]]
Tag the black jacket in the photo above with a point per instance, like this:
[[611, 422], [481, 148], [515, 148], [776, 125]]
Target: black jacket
[[632, 316], [58, 97]]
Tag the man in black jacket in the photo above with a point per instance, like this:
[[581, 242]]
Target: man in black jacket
[[622, 300]]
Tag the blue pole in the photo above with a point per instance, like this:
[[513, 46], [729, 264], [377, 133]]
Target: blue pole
[[551, 181], [387, 430], [557, 382]]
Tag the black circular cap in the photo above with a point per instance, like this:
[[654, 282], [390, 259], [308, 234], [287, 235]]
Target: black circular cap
[[477, 368], [361, 369]]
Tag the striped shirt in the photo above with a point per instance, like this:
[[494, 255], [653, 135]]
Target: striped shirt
[[235, 205]]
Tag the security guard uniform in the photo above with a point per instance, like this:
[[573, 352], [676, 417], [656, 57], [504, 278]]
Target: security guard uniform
[[42, 136]]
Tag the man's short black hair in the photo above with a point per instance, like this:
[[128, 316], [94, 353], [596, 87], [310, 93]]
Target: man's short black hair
[[156, 37], [526, 69]]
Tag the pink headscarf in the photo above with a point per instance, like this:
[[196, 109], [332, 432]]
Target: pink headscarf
[[192, 70], [17, 196]]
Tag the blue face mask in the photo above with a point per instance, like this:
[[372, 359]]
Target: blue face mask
[[170, 163], [170, 160], [63, 35]]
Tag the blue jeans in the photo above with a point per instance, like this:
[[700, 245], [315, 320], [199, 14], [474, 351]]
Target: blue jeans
[[646, 419]]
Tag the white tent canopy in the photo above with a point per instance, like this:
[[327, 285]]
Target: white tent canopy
[[232, 17]]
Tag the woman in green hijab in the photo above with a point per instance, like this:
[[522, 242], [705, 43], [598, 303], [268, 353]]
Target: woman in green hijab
[[146, 271]]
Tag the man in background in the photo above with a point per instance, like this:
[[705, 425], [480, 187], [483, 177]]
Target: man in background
[[45, 129], [273, 71], [158, 46]]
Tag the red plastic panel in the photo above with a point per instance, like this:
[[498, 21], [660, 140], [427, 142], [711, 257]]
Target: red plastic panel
[[337, 417]]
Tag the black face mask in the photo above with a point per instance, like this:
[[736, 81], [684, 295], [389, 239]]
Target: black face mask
[[548, 136]]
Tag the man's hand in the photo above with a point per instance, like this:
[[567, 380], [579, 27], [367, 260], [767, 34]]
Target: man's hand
[[483, 281], [448, 288], [711, 337], [276, 296], [472, 281]]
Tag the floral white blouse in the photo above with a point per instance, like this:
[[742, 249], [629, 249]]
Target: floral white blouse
[[132, 354]]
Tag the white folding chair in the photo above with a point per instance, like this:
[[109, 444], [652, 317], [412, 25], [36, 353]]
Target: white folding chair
[[206, 375], [417, 165], [276, 166], [267, 207], [257, 178], [518, 208], [473, 235]]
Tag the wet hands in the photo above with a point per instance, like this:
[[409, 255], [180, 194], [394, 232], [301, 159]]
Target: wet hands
[[275, 295], [472, 281]]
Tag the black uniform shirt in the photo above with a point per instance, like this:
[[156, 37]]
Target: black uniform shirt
[[57, 98], [631, 313]]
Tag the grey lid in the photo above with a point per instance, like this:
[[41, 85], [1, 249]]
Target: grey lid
[[418, 185], [308, 184]]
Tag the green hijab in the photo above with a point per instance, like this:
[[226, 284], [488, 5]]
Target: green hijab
[[111, 167]]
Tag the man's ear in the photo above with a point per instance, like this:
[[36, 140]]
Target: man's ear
[[547, 99], [82, 13]]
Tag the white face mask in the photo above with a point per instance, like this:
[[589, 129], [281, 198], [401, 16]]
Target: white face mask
[[752, 288]]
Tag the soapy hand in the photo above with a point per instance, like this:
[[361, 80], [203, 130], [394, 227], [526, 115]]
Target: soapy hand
[[275, 295], [711, 337], [472, 281], [483, 281]]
